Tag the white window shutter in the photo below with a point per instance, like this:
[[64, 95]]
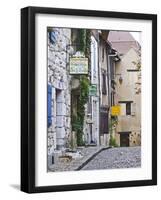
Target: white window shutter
[[123, 108], [133, 109]]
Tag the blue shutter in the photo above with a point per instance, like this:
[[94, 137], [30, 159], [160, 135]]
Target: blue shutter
[[52, 37], [49, 104]]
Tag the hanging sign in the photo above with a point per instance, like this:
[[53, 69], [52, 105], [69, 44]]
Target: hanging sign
[[93, 90], [115, 110], [78, 65]]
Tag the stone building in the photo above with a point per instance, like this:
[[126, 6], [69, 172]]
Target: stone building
[[127, 88], [103, 58], [64, 92], [104, 88], [59, 88], [122, 41], [91, 131]]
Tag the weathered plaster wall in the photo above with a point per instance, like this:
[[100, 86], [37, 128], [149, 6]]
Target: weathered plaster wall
[[129, 90]]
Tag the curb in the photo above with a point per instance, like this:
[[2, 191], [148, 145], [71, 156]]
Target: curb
[[90, 158]]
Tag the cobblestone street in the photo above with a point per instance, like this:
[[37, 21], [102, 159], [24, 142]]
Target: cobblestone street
[[123, 157], [77, 163]]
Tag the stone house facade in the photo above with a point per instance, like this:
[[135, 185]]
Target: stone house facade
[[91, 130], [59, 82], [104, 88], [127, 89], [128, 96]]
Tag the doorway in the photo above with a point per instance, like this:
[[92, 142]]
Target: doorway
[[124, 139], [58, 112]]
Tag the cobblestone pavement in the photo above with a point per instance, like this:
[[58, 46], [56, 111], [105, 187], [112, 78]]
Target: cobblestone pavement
[[122, 157], [75, 164]]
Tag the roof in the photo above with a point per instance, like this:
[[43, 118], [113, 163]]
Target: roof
[[119, 36], [122, 41]]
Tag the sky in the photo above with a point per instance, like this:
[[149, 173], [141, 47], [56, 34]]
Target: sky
[[137, 36]]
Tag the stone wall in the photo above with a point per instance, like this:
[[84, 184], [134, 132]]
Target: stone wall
[[59, 79]]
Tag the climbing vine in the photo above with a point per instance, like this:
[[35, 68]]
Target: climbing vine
[[137, 64], [138, 83], [88, 43], [81, 40], [112, 123], [78, 121], [84, 41]]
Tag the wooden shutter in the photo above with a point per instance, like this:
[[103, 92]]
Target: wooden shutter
[[104, 90], [123, 108], [104, 121], [128, 108], [133, 109], [52, 37]]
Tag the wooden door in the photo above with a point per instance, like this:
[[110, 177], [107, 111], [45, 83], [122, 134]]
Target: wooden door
[[124, 139]]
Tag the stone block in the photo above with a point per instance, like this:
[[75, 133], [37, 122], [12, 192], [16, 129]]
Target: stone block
[[60, 133], [60, 143], [60, 121], [67, 122], [57, 154], [60, 109], [53, 92]]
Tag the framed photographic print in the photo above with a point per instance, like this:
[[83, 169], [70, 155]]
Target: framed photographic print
[[88, 99]]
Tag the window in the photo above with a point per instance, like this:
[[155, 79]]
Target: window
[[49, 105], [104, 90], [112, 99], [104, 125], [126, 107], [103, 52], [89, 107], [53, 37]]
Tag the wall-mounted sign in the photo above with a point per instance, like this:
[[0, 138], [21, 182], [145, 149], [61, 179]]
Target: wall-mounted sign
[[93, 90], [78, 65], [115, 110]]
